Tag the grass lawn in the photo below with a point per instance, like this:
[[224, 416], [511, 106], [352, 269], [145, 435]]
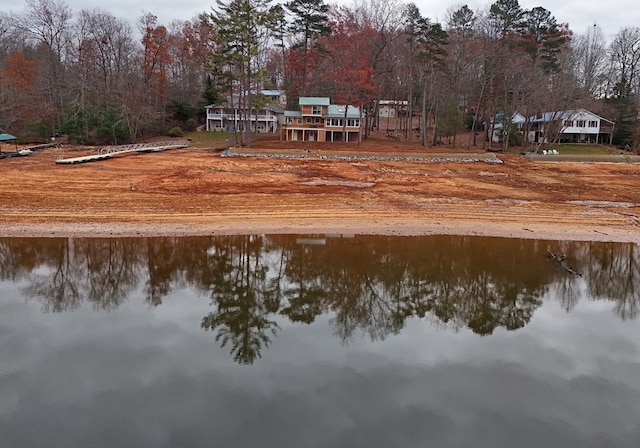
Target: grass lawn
[[218, 140], [585, 149], [210, 139], [574, 149]]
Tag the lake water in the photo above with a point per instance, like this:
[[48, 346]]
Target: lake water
[[319, 341]]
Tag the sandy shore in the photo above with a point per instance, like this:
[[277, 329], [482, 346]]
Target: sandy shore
[[404, 227], [197, 192]]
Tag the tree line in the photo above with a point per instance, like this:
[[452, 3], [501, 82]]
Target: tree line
[[98, 79]]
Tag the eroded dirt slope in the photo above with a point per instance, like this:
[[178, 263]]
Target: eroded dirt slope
[[198, 189]]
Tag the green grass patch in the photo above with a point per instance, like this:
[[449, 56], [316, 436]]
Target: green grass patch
[[572, 149], [217, 139], [584, 149], [208, 139]]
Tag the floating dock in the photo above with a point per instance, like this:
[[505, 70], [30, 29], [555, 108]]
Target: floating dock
[[109, 152]]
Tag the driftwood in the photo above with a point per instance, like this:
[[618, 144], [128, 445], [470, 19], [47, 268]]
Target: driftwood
[[561, 260]]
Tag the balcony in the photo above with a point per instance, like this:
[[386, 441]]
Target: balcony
[[238, 117], [305, 125]]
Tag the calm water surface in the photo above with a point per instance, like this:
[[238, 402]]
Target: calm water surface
[[319, 341]]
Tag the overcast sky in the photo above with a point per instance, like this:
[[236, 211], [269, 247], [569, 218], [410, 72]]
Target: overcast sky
[[611, 15]]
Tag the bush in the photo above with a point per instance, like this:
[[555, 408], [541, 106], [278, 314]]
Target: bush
[[175, 132], [191, 125]]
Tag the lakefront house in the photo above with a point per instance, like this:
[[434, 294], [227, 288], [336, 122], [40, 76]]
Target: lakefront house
[[317, 120], [565, 126], [265, 116]]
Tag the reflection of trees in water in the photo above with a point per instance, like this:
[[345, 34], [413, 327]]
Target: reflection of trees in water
[[243, 297], [615, 275], [112, 270], [486, 284], [371, 284], [298, 285], [62, 273], [609, 271], [18, 257], [162, 266], [360, 279], [58, 284]]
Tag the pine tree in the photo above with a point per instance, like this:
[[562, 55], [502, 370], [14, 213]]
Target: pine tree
[[242, 28]]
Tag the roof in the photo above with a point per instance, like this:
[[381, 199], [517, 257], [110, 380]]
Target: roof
[[337, 111], [550, 116], [272, 92], [313, 101], [568, 114], [516, 118], [274, 108], [393, 102], [234, 102], [5, 137]]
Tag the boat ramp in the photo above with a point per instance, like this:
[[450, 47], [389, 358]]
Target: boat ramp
[[109, 152]]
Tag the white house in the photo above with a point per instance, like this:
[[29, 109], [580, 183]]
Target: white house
[[392, 108], [501, 125], [565, 126], [570, 126], [231, 116]]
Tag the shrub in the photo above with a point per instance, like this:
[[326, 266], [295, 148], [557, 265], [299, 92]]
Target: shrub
[[175, 132]]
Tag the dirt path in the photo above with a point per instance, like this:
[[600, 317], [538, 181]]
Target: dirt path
[[196, 191]]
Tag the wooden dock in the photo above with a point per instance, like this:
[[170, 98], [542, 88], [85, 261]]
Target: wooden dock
[[109, 152]]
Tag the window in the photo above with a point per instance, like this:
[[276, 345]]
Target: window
[[308, 120], [317, 120], [593, 124], [316, 110], [334, 122], [299, 120], [581, 123], [567, 123], [289, 120], [353, 123]]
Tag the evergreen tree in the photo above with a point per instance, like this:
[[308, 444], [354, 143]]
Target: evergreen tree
[[242, 28], [308, 24]]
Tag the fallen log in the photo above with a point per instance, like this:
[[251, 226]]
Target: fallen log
[[561, 260]]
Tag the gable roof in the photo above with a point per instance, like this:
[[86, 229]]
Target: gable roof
[[313, 101], [270, 92], [568, 114], [516, 118], [337, 111]]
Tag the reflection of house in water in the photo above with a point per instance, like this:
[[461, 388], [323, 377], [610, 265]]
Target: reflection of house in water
[[311, 241], [321, 241]]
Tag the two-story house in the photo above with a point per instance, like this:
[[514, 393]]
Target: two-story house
[[564, 126], [571, 126], [318, 120], [265, 117]]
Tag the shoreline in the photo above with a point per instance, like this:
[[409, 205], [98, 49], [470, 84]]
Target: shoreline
[[389, 227], [195, 192]]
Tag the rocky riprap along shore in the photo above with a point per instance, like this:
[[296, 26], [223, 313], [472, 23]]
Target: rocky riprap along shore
[[489, 158]]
